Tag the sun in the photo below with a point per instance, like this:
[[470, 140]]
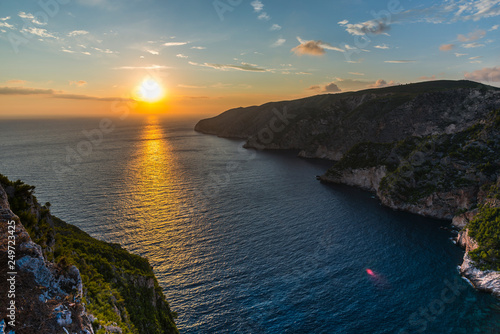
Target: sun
[[150, 91]]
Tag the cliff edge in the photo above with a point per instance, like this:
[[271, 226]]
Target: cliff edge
[[64, 281]]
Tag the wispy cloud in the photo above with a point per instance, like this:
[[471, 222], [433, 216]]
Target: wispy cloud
[[399, 61], [224, 67], [198, 47], [486, 74], [30, 17], [356, 73], [472, 45], [175, 43], [39, 32], [77, 33], [79, 83], [495, 27], [275, 27], [473, 36], [16, 82], [460, 54], [279, 42], [314, 48], [55, 94], [5, 18], [151, 67], [180, 55], [382, 47], [191, 86], [6, 25], [375, 27], [153, 52], [264, 16], [447, 47]]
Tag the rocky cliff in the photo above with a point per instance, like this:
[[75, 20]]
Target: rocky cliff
[[430, 148], [69, 282], [327, 126]]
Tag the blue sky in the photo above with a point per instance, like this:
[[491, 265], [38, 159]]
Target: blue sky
[[213, 55]]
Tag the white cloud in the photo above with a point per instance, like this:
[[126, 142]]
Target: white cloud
[[180, 55], [153, 52], [39, 32], [108, 51], [279, 42], [476, 57], [472, 45], [198, 47], [77, 33], [382, 47], [460, 54], [474, 10], [275, 27], [175, 43], [264, 16], [356, 73], [5, 18], [31, 17], [223, 67], [375, 27], [257, 5], [495, 27], [399, 61], [6, 25], [67, 50]]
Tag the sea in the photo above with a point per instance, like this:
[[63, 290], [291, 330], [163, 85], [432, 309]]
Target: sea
[[246, 241]]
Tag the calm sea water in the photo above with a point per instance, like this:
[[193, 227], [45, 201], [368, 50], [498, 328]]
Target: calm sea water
[[245, 241]]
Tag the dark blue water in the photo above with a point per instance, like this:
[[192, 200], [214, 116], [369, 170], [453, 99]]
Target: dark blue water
[[245, 241]]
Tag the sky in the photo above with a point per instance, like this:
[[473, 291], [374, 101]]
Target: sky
[[69, 58]]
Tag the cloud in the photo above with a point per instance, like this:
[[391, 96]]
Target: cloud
[[79, 83], [257, 5], [279, 42], [223, 67], [375, 27], [78, 33], [475, 10], [380, 83], [264, 16], [175, 43], [6, 25], [433, 77], [152, 67], [460, 54], [191, 86], [447, 47], [327, 88], [55, 94], [486, 74], [314, 48], [473, 36], [39, 32], [180, 55], [153, 52], [31, 17], [16, 82], [476, 57], [495, 27], [382, 47], [67, 50], [472, 45], [356, 73], [275, 27], [5, 18], [399, 61], [198, 47], [108, 51], [332, 88]]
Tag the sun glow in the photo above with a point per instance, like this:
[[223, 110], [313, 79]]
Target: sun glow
[[150, 91]]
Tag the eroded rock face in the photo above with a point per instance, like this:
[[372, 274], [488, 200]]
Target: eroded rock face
[[488, 281], [364, 178], [42, 288]]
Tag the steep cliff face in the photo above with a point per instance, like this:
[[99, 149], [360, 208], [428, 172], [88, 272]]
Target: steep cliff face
[[47, 297], [69, 279], [448, 176], [327, 126]]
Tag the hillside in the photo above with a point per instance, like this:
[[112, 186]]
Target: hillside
[[71, 282], [327, 126]]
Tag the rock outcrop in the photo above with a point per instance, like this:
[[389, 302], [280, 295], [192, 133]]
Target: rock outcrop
[[327, 126], [69, 282]]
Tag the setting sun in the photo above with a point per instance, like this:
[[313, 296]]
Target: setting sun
[[150, 91]]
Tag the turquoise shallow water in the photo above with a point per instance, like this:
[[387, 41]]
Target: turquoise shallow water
[[245, 241]]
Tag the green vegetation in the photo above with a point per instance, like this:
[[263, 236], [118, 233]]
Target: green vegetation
[[485, 229], [119, 287]]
